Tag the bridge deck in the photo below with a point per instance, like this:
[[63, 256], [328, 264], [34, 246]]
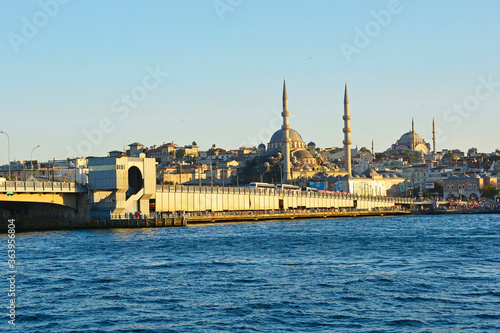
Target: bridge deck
[[41, 187]]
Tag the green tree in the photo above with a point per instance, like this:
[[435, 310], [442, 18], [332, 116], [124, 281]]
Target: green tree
[[438, 188], [180, 153], [489, 191], [194, 143], [365, 150]]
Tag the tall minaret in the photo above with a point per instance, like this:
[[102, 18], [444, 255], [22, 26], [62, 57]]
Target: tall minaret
[[433, 137], [373, 150], [412, 135], [285, 149], [347, 133]]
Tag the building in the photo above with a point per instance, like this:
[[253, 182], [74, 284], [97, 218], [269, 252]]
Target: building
[[370, 182], [121, 185], [416, 175], [410, 142], [290, 144], [466, 187]]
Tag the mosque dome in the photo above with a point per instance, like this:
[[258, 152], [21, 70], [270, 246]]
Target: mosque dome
[[278, 136], [450, 157], [304, 157], [301, 154], [370, 173], [276, 141], [408, 142], [406, 139]]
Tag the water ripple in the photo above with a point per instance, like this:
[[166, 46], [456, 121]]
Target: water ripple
[[386, 274]]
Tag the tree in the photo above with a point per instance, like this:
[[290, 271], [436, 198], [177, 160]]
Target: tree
[[180, 153], [194, 143], [489, 191], [365, 150]]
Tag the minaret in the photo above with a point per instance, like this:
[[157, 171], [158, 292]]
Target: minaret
[[285, 148], [347, 133], [433, 137], [373, 150], [412, 135]]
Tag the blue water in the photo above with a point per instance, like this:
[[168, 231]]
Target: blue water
[[383, 274]]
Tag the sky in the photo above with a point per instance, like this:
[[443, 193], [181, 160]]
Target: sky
[[82, 78]]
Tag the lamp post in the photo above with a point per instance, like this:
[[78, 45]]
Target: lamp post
[[8, 142], [32, 160]]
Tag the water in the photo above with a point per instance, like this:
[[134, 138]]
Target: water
[[384, 274]]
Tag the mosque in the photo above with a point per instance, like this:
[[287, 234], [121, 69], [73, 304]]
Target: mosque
[[286, 139], [299, 160], [411, 142]]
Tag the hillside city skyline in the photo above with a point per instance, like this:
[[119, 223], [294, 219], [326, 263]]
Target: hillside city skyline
[[211, 73]]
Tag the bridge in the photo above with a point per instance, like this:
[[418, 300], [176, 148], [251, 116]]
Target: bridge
[[41, 187], [58, 193], [50, 202]]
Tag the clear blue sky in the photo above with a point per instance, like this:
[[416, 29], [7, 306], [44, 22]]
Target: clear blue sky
[[226, 61]]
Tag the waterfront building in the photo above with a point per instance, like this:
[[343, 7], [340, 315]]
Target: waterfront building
[[121, 185], [370, 182], [466, 187], [417, 175]]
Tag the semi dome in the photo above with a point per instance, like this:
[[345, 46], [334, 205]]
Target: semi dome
[[301, 154]]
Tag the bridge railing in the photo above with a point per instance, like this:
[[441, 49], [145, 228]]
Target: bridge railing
[[24, 186], [241, 190]]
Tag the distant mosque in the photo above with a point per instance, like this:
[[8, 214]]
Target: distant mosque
[[411, 142], [298, 159], [280, 141]]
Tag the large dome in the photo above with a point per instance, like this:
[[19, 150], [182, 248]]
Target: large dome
[[276, 141], [278, 136], [406, 138]]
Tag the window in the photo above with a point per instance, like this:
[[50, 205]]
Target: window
[[447, 187], [452, 187], [470, 186], [474, 186]]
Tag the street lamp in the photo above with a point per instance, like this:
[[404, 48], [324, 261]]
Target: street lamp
[[8, 142], [32, 160], [266, 166]]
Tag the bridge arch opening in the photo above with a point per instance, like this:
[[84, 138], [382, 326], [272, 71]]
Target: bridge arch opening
[[135, 181]]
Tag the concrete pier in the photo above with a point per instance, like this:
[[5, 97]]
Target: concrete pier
[[153, 221]]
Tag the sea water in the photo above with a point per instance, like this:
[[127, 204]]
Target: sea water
[[379, 274]]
